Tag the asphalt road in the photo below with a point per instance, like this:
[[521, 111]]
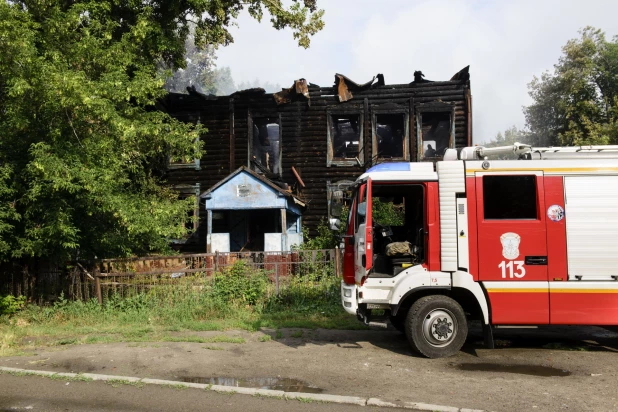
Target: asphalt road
[[32, 393]]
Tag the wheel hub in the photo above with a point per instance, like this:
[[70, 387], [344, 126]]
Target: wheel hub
[[439, 327]]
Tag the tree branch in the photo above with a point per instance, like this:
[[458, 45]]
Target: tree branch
[[72, 128]]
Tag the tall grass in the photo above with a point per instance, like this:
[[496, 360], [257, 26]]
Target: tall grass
[[239, 297]]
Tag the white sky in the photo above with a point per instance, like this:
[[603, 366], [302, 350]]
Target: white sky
[[505, 43]]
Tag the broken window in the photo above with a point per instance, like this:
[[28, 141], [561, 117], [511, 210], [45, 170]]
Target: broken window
[[174, 161], [345, 133], [265, 145], [339, 197], [435, 135], [183, 162], [390, 134]]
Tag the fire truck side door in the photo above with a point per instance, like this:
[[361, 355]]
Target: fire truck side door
[[348, 251], [512, 246], [363, 236]]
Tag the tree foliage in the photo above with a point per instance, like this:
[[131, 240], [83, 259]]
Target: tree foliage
[[82, 146], [198, 72], [267, 86], [224, 83], [201, 72], [511, 136], [577, 103]]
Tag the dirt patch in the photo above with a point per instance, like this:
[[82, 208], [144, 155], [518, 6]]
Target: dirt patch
[[376, 363], [532, 370]]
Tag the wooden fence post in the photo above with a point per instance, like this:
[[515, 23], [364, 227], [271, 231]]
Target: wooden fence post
[[277, 276], [97, 285]]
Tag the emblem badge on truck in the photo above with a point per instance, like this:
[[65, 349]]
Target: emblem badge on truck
[[555, 213], [510, 245]]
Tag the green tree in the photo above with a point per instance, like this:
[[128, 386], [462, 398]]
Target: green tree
[[511, 136], [267, 86], [198, 72], [82, 146], [201, 72], [577, 103], [224, 83]]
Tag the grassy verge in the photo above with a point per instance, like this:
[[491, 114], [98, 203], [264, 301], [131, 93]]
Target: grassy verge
[[234, 300]]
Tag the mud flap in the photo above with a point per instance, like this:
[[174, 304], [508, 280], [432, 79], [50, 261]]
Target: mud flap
[[488, 336]]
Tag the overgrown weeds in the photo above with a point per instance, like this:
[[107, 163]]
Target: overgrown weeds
[[115, 383], [10, 304], [238, 298]]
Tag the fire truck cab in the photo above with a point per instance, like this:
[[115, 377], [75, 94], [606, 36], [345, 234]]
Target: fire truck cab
[[523, 242]]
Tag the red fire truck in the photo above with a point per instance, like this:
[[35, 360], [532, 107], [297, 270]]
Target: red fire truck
[[512, 243]]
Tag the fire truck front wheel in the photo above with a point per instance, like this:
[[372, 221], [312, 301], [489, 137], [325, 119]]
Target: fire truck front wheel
[[436, 326]]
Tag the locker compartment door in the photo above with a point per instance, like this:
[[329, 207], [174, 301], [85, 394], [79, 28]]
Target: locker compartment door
[[588, 295]]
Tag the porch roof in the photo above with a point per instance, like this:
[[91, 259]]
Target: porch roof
[[245, 189]]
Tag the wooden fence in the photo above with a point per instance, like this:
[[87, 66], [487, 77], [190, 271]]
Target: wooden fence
[[43, 282], [115, 276]]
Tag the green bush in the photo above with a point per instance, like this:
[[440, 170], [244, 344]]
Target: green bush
[[386, 213], [325, 239], [10, 304], [312, 292], [240, 283]]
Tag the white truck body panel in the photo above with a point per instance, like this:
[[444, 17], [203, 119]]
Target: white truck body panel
[[462, 234], [592, 227], [452, 181]]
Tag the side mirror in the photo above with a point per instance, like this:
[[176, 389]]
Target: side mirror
[[336, 209]]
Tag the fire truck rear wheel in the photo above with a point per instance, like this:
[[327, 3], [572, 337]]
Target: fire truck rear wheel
[[436, 326]]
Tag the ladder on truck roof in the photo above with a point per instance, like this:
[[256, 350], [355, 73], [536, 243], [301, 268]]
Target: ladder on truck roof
[[527, 152]]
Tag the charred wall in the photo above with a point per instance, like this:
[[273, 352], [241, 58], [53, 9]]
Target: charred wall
[[303, 130]]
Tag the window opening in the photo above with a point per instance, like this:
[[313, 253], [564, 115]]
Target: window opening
[[361, 205], [345, 130], [509, 197], [345, 136], [266, 149], [436, 134], [174, 161], [390, 134], [399, 228], [220, 221], [183, 162]]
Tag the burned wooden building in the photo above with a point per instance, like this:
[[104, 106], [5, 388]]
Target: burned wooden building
[[310, 141]]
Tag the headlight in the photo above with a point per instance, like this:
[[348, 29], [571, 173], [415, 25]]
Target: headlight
[[347, 293]]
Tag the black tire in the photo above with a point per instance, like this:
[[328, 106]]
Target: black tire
[[436, 326]]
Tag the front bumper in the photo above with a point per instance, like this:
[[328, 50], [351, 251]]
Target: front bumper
[[349, 300]]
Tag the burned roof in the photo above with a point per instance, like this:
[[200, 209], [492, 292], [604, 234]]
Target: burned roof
[[344, 87]]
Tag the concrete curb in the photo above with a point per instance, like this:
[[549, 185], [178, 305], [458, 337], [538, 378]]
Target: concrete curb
[[318, 397]]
